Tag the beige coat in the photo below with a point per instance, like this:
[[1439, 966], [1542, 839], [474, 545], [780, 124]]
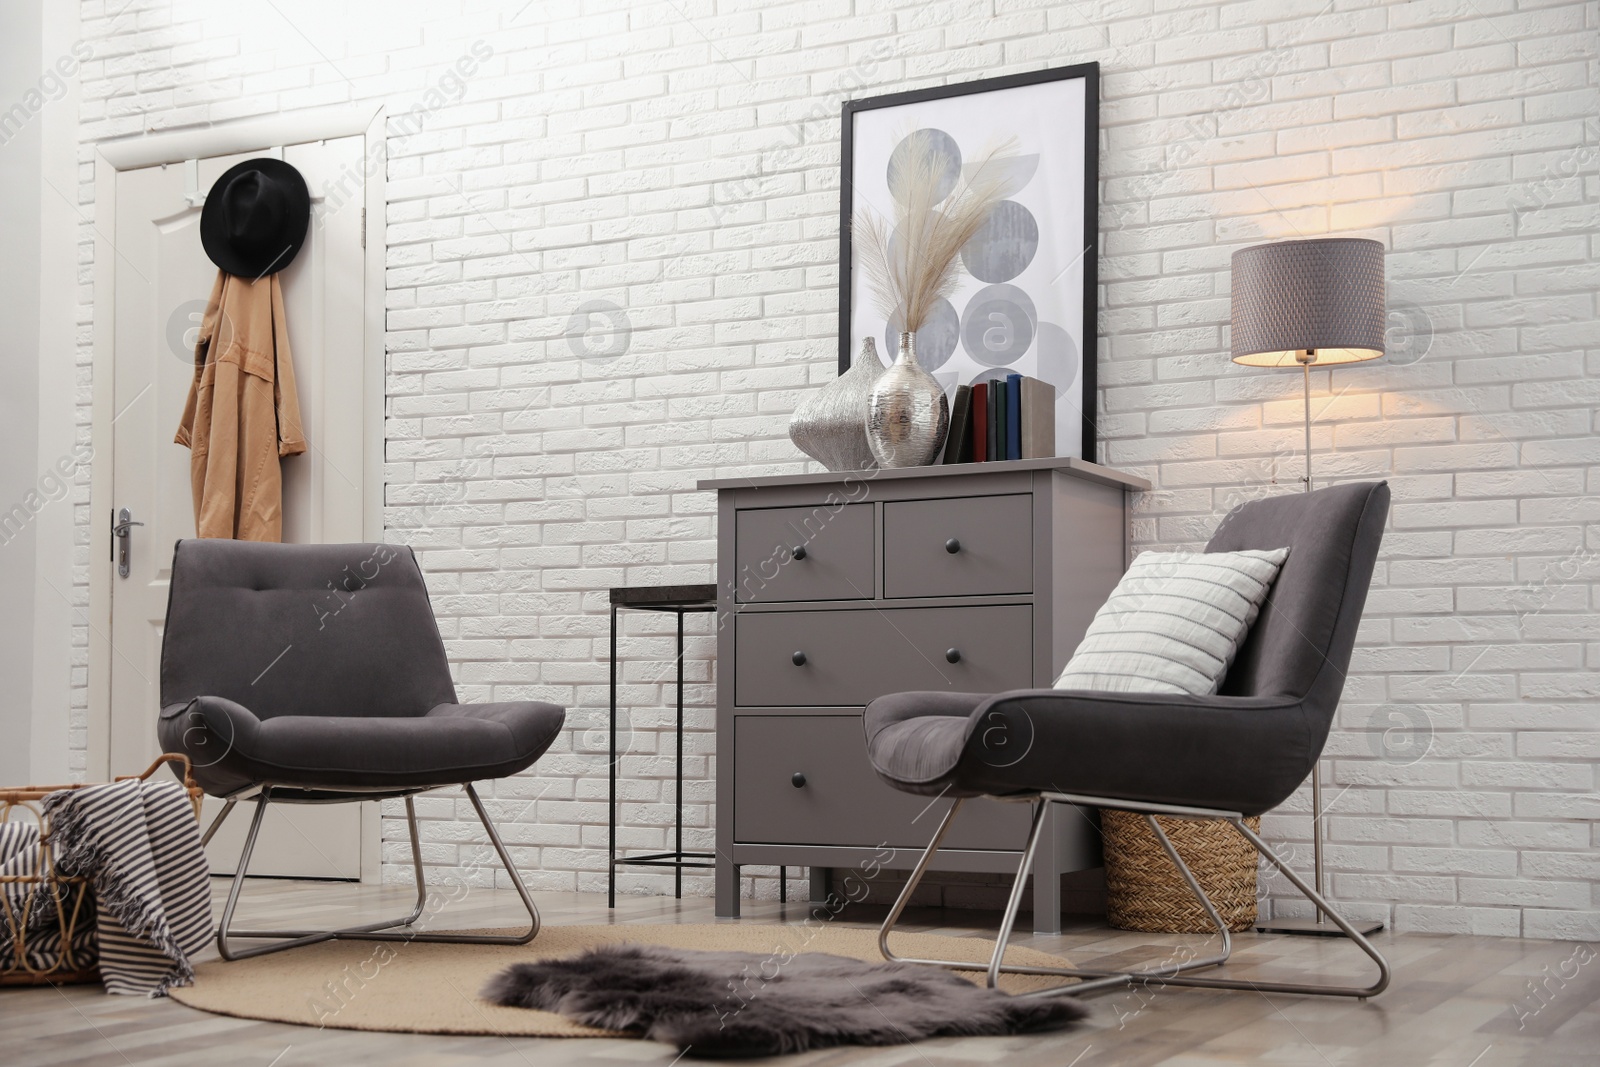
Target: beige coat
[[242, 413]]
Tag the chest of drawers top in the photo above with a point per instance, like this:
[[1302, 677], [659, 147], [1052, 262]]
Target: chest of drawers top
[[1077, 468]]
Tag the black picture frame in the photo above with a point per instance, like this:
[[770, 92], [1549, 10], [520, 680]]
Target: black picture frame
[[1090, 74]]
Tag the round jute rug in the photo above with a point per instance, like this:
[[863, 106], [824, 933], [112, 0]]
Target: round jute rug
[[413, 987]]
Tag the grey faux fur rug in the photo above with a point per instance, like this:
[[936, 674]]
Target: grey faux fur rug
[[721, 1004]]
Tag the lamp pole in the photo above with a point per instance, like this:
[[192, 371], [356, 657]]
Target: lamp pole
[[1306, 358]]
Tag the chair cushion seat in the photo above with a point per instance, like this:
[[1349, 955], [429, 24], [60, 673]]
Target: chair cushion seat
[[233, 749], [1243, 754]]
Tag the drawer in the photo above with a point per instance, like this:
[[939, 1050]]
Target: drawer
[[963, 546], [842, 801], [847, 657], [810, 553]]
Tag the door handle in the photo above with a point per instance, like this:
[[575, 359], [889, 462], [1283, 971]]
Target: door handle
[[122, 531]]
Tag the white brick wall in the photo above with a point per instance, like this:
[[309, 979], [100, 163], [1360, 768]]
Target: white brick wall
[[679, 159]]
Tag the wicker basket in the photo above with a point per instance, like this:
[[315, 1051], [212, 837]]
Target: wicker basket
[[1145, 892], [64, 895]]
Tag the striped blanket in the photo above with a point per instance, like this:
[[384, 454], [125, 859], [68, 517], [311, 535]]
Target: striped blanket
[[37, 913], [139, 844]]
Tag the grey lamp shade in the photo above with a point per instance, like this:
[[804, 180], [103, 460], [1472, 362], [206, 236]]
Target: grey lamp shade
[[1323, 296]]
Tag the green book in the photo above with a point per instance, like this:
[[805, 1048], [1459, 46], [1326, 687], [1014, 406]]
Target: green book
[[992, 424]]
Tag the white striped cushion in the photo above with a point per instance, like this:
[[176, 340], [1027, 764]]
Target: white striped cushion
[[1174, 622]]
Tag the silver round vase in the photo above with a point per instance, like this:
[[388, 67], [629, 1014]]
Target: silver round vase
[[830, 425], [908, 413]]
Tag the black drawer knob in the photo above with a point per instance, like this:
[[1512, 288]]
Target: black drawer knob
[[799, 552], [798, 781], [952, 655], [952, 546], [799, 659]]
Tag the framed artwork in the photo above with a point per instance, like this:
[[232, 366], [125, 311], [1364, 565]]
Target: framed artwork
[[1025, 300]]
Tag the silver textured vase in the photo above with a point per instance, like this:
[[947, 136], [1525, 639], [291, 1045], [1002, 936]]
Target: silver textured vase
[[830, 425], [908, 413]]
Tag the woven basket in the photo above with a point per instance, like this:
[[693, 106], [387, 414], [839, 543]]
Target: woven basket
[[1145, 892], [64, 896]]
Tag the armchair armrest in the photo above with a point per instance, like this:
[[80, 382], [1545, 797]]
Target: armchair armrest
[[208, 729]]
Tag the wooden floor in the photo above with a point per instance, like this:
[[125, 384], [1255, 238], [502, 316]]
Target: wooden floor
[[1456, 1000]]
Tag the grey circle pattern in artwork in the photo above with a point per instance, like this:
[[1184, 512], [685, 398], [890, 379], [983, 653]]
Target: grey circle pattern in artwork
[[999, 325], [1005, 244], [1057, 355], [946, 154], [936, 341]]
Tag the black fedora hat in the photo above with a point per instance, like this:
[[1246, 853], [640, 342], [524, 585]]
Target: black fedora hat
[[256, 217]]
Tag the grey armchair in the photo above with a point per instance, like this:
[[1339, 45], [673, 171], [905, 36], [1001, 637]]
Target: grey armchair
[[1241, 752], [315, 674]]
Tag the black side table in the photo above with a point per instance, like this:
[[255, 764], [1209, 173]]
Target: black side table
[[680, 600]]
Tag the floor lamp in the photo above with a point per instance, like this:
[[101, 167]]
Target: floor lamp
[[1295, 304]]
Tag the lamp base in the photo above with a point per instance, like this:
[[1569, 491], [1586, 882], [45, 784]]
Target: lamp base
[[1313, 928]]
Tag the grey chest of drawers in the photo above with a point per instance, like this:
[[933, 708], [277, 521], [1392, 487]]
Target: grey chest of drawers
[[837, 588]]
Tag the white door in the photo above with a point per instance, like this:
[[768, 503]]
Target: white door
[[162, 280]]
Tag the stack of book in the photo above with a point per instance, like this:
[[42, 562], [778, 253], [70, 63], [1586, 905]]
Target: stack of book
[[1003, 418]]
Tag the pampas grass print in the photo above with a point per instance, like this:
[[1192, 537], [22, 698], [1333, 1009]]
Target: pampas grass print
[[912, 266]]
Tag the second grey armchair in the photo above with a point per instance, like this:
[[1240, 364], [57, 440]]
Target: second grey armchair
[[1241, 752]]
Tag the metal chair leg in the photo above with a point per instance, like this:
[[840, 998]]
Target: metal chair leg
[[1236, 820], [378, 931], [1300, 988], [1008, 918], [1091, 979], [1103, 979], [904, 898], [227, 809], [1170, 974]]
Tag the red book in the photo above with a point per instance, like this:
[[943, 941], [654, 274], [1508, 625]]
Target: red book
[[980, 422]]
